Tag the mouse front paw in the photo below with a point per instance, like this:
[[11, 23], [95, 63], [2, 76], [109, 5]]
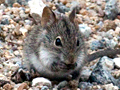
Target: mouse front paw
[[58, 66], [21, 75]]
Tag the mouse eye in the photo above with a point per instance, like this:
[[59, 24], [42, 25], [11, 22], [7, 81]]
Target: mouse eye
[[77, 42], [58, 42]]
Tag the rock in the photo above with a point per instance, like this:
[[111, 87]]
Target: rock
[[96, 45], [85, 74], [2, 7], [16, 86], [100, 23], [16, 60], [16, 5], [92, 13], [1, 45], [36, 7], [99, 2], [2, 1], [23, 86], [110, 43], [44, 88], [34, 88], [61, 8], [41, 82], [111, 9], [7, 87], [63, 1], [108, 24], [85, 30], [117, 62], [110, 34], [27, 11], [23, 15], [17, 19], [4, 82], [23, 31], [97, 87], [16, 53], [101, 73], [28, 22], [10, 2], [10, 66], [117, 30], [110, 87], [107, 63], [83, 12], [23, 2], [62, 85], [22, 9], [5, 21], [85, 86], [6, 16], [1, 66], [28, 27]]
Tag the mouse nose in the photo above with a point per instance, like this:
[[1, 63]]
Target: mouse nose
[[70, 60]]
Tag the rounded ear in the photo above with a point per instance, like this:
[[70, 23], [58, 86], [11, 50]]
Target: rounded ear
[[48, 17], [72, 14]]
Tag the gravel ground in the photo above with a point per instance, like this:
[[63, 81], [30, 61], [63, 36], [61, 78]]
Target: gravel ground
[[99, 21]]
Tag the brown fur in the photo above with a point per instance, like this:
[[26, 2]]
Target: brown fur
[[59, 61]]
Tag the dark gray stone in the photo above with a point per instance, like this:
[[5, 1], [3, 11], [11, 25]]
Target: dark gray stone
[[97, 45], [101, 74], [61, 8], [5, 21], [11, 2], [111, 9], [23, 2]]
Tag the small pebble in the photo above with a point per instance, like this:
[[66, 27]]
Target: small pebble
[[27, 11], [16, 53], [5, 21], [41, 82], [110, 87], [1, 66], [117, 62], [64, 1], [86, 30], [44, 88], [24, 30], [28, 27], [85, 74], [23, 86], [7, 87], [16, 5]]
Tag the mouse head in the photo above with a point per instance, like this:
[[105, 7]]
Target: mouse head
[[63, 36]]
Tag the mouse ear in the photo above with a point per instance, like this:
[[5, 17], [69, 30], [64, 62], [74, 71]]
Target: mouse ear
[[48, 17], [72, 15]]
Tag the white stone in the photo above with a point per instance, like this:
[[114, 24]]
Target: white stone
[[110, 87], [85, 29], [23, 31], [85, 73], [117, 62], [41, 81], [36, 6], [108, 63]]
